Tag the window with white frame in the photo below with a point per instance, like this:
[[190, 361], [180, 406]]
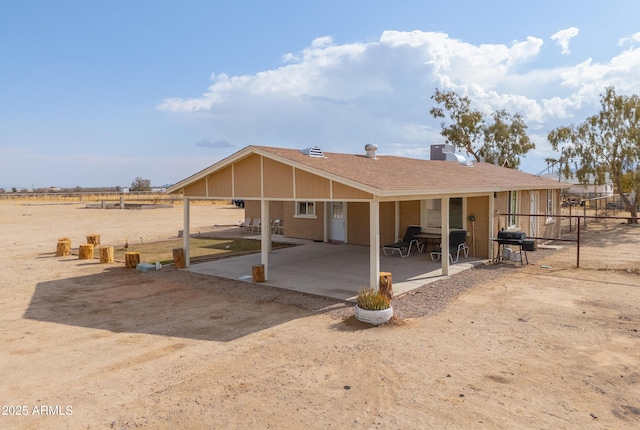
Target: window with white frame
[[513, 208], [549, 207], [306, 209]]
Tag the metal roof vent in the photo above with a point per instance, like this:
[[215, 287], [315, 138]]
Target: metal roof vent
[[370, 149], [450, 156], [314, 151]]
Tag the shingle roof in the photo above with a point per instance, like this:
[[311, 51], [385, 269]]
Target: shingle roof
[[391, 174]]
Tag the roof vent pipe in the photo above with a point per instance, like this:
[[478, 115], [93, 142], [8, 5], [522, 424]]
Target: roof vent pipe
[[371, 149]]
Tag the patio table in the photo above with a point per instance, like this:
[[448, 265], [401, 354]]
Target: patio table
[[426, 239]]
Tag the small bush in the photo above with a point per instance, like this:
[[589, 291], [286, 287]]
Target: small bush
[[372, 300]]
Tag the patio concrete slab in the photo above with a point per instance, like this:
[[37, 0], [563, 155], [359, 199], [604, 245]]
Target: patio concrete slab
[[332, 270]]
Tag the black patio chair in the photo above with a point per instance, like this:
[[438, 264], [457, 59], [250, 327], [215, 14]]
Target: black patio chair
[[404, 246], [457, 244]]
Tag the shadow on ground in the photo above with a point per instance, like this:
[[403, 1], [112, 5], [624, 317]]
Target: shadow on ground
[[169, 303]]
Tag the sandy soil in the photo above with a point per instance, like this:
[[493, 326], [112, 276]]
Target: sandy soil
[[89, 345]]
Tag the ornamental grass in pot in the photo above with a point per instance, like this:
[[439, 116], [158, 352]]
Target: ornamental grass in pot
[[373, 307]]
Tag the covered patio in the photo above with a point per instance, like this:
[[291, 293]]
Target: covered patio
[[363, 201], [336, 271]]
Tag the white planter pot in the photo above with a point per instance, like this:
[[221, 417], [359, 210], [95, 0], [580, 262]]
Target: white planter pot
[[374, 317]]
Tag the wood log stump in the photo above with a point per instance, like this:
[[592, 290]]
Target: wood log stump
[[93, 239], [179, 261], [131, 259], [386, 289], [258, 273], [85, 252], [63, 248], [107, 254]]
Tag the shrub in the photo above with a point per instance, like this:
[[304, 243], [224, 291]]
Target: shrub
[[372, 300]]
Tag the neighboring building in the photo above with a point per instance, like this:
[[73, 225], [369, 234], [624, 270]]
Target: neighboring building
[[583, 191], [370, 199]]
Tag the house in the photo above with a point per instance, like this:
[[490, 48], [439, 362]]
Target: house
[[371, 199]]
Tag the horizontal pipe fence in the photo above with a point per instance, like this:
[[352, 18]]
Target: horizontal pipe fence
[[600, 242]]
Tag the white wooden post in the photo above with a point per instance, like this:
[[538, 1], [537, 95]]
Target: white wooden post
[[186, 234], [396, 217], [444, 245], [265, 237], [374, 244], [491, 217]]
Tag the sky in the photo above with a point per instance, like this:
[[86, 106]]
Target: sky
[[97, 93]]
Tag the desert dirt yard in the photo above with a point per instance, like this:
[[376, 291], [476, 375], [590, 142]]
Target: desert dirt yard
[[86, 345]]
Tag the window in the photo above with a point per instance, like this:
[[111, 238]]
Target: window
[[433, 213], [432, 208], [306, 209], [513, 208], [455, 212], [549, 207]]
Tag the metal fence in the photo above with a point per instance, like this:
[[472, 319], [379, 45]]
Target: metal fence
[[138, 196], [97, 196], [589, 241]]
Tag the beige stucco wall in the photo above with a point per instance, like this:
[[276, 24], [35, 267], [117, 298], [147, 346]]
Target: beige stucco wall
[[357, 222], [479, 229], [547, 228], [303, 228]]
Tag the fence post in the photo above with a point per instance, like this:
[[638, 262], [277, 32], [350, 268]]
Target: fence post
[[578, 247]]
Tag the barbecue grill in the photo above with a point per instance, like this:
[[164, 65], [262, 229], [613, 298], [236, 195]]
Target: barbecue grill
[[514, 238]]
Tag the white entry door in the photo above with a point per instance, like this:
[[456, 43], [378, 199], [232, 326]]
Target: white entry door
[[338, 216]]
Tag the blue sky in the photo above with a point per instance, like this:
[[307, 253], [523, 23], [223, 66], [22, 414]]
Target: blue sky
[[96, 93]]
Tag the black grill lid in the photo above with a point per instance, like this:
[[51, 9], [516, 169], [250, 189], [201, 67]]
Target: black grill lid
[[512, 235]]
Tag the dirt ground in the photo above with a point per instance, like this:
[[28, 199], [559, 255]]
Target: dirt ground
[[89, 345]]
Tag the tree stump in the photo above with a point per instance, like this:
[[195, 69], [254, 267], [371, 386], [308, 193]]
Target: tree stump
[[131, 259], [178, 258], [258, 273], [63, 248], [85, 252], [107, 254], [386, 288], [93, 239]]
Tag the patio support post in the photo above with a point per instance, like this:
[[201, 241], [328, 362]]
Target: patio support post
[[492, 220], [396, 217], [186, 229], [444, 221], [265, 237], [374, 244]]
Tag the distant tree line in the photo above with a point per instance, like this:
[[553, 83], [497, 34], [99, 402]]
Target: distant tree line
[[76, 189], [138, 184]]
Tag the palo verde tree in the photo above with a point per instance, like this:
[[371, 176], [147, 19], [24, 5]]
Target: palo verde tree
[[606, 143], [504, 141]]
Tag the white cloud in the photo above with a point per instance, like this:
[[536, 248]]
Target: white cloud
[[563, 37], [342, 96], [630, 40]]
